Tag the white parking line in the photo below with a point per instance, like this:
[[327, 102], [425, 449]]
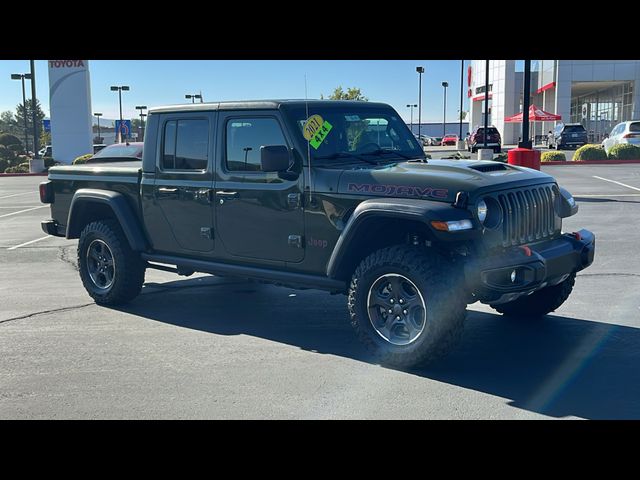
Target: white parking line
[[28, 206], [29, 243], [22, 211], [617, 183], [607, 196], [18, 194]]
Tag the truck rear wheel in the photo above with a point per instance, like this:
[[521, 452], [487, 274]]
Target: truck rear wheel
[[111, 272], [406, 306], [539, 303]]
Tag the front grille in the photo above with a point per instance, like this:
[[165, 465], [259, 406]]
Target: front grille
[[527, 214]]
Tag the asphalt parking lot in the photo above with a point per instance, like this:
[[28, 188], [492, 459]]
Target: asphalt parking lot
[[207, 347]]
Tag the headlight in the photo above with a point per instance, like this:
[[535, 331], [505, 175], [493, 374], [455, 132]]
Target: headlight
[[482, 211], [489, 212], [564, 203]]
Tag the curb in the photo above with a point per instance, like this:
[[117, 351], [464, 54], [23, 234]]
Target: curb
[[591, 162], [44, 174]]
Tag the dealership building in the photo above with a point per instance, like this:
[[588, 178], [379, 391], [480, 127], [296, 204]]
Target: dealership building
[[599, 94]]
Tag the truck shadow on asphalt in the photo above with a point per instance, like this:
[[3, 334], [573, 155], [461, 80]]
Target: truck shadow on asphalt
[[557, 366]]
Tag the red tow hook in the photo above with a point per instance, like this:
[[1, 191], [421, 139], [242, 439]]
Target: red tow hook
[[577, 235], [526, 250]]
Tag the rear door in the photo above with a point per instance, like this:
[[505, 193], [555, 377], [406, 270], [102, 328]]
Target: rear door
[[182, 191]]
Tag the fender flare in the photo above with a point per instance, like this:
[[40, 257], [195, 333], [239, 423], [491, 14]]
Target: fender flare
[[415, 210], [121, 209]]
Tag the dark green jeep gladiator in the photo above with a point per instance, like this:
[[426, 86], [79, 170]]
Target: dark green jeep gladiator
[[331, 195]]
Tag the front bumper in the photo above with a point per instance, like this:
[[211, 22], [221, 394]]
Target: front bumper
[[492, 279]]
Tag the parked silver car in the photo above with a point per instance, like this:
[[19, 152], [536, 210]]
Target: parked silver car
[[625, 132]]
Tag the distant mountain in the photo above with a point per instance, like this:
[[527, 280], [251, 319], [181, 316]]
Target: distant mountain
[[104, 122]]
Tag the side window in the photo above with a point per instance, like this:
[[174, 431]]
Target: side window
[[186, 145], [245, 136]]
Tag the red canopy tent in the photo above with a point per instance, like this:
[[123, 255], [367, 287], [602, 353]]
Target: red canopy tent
[[536, 114]]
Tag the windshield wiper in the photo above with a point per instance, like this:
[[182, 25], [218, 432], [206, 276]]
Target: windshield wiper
[[380, 151], [333, 156]]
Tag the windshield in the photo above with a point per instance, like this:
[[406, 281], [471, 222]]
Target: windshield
[[112, 151], [351, 133]]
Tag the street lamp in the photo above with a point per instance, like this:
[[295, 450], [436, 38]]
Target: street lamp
[[120, 89], [98, 115], [193, 97], [142, 115], [461, 96], [412, 107], [444, 113], [420, 71], [22, 77]]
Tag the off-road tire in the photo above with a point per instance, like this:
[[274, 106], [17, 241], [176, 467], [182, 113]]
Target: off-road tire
[[129, 270], [441, 287], [539, 303]]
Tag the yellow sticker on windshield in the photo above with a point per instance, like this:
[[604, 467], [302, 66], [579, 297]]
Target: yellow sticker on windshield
[[311, 126]]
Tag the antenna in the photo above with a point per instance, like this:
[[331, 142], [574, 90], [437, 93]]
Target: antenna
[[306, 103]]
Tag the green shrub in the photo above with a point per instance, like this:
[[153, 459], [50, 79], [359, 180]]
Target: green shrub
[[49, 162], [7, 139], [624, 151], [553, 156], [590, 152], [456, 156], [82, 159], [22, 168], [501, 157], [6, 154], [4, 164], [16, 148]]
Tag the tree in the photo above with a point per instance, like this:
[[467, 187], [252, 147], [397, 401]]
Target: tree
[[8, 123], [462, 115], [7, 139], [352, 93], [20, 113]]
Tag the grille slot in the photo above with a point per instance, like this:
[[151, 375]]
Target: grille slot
[[527, 215]]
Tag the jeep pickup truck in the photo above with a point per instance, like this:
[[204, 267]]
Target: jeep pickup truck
[[330, 195]]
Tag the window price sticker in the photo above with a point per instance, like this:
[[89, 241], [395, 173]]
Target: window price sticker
[[315, 130]]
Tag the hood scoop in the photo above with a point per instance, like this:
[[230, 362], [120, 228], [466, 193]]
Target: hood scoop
[[497, 167]]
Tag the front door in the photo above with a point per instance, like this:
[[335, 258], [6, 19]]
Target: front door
[[259, 215], [184, 181]]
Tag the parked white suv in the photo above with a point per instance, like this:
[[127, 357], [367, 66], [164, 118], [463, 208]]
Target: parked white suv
[[625, 132]]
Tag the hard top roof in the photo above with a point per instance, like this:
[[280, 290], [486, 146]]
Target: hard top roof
[[262, 105]]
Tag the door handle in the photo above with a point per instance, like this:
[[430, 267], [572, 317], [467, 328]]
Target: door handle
[[226, 195], [167, 190]]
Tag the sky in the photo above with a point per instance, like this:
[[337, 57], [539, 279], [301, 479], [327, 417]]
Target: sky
[[164, 82]]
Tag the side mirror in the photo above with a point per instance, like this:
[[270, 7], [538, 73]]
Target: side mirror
[[274, 158]]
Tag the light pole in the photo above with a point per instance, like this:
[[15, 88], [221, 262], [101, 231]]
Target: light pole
[[444, 111], [486, 103], [420, 71], [34, 115], [412, 107], [461, 96], [23, 76], [98, 115], [120, 89], [142, 115], [193, 97], [526, 141]]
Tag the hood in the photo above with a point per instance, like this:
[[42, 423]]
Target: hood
[[437, 179]]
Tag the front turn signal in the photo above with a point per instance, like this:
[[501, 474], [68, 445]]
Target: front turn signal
[[452, 226]]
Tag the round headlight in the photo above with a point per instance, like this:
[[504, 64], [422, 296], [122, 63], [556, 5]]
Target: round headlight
[[482, 211]]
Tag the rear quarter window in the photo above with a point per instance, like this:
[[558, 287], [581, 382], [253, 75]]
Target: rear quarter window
[[634, 127]]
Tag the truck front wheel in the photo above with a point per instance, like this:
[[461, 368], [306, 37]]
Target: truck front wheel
[[406, 306], [539, 303], [111, 272]]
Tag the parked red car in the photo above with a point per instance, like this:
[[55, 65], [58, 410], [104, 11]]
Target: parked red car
[[449, 139]]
